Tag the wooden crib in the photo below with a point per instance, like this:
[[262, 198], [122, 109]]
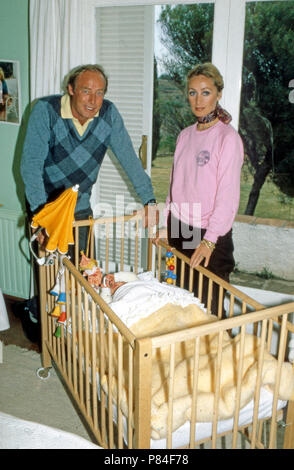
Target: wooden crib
[[95, 344]]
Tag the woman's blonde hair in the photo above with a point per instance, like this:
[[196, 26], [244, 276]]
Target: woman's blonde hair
[[208, 70], [2, 76]]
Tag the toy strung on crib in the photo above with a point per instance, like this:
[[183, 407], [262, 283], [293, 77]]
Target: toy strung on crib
[[170, 274], [90, 269], [59, 311]]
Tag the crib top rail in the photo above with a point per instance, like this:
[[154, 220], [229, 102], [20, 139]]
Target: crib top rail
[[223, 325], [227, 286]]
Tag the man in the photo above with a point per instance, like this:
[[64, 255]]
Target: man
[[67, 138]]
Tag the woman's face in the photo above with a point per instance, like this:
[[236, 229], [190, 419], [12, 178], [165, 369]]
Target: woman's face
[[203, 95]]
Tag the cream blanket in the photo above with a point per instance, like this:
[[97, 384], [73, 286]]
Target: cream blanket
[[172, 318]]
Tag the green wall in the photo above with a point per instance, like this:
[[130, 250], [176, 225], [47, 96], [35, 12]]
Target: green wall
[[14, 45]]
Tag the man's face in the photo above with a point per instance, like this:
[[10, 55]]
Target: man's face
[[87, 95]]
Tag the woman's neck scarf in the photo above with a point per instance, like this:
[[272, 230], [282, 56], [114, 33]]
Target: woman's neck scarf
[[219, 113]]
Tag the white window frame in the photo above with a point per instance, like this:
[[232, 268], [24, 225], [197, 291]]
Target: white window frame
[[227, 48]]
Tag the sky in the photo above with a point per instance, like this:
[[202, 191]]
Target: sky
[[159, 49]]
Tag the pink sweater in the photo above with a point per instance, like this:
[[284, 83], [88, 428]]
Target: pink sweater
[[205, 179]]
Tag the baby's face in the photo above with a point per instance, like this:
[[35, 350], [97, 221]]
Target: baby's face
[[110, 282]]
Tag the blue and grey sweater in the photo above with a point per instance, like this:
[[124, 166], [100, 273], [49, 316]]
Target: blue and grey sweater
[[56, 157]]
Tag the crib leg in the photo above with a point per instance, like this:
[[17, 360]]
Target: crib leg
[[289, 431]]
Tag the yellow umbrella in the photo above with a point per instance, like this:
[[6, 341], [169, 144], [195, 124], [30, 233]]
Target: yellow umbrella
[[57, 219]]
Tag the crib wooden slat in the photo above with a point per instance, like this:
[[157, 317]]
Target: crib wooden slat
[[217, 389], [119, 392], [130, 397], [182, 275], [94, 367], [170, 396], [68, 325], [210, 287], [110, 377], [191, 278], [137, 247], [107, 249], [86, 352], [200, 286], [239, 386], [74, 338], [142, 392], [220, 302], [122, 247], [77, 244], [101, 373], [258, 381], [281, 358], [80, 343], [194, 391]]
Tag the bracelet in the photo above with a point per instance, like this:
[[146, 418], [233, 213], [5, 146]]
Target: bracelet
[[152, 202], [208, 244]]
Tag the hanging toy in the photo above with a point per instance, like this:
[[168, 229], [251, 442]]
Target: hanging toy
[[58, 312], [169, 274], [57, 333], [62, 318]]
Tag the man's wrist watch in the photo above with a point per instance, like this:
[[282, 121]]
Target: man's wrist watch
[[152, 202]]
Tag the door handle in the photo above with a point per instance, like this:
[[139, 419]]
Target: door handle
[[143, 151]]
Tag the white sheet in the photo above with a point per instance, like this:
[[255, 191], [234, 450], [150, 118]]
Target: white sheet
[[139, 299], [181, 436]]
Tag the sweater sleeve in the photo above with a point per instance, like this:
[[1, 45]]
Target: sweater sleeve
[[35, 151], [121, 145], [228, 187]]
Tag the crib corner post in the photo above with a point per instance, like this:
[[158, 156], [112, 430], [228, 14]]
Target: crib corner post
[[46, 358], [142, 393], [289, 431]]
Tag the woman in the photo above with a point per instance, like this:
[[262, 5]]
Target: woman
[[204, 190]]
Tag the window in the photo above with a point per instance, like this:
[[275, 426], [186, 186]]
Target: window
[[266, 113]]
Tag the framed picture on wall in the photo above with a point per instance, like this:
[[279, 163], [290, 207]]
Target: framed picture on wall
[[9, 92]]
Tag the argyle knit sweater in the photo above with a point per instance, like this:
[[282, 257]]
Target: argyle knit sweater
[[55, 157]]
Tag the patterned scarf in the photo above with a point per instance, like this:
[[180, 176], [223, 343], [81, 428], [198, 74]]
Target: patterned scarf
[[219, 113]]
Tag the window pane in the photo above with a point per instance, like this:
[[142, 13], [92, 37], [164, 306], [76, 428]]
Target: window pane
[[266, 113], [183, 38]]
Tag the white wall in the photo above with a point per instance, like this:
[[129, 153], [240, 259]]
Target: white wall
[[264, 243]]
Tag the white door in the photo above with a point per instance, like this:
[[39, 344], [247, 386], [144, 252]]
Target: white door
[[124, 47]]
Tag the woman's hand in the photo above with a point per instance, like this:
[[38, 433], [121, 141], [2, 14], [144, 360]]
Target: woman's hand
[[202, 252], [161, 234]]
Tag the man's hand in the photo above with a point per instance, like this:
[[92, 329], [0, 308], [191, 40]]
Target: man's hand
[[151, 218], [41, 238], [161, 234]]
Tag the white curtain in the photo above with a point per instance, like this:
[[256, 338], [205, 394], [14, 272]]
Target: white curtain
[[56, 43]]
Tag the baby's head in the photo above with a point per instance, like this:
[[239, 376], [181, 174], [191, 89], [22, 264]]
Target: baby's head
[[114, 281]]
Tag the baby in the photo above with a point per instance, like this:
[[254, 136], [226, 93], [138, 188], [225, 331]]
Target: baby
[[109, 283], [114, 281]]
